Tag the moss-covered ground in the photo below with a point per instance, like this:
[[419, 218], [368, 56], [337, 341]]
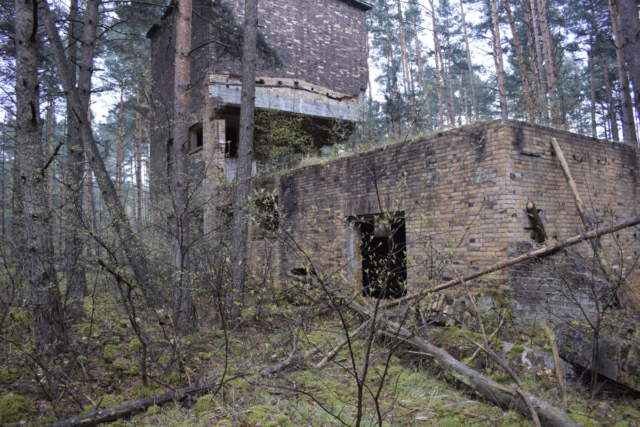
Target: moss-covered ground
[[401, 388]]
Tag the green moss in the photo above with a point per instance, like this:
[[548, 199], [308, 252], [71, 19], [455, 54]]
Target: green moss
[[585, 421], [264, 416], [109, 352], [621, 424], [515, 352], [152, 410], [13, 407], [8, 374], [140, 392], [188, 340], [164, 360], [125, 367], [205, 404], [134, 345], [500, 378], [225, 423]]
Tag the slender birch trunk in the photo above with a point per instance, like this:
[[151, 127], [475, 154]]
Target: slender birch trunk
[[395, 124], [448, 85], [523, 69], [235, 290], [48, 316], [471, 76], [421, 82], [497, 47]]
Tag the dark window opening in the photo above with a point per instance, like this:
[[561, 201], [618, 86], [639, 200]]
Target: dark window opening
[[231, 147], [169, 155], [304, 272], [225, 213], [196, 136], [384, 258], [267, 209]]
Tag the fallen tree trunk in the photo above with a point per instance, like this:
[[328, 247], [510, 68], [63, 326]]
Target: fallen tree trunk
[[113, 414], [288, 361], [588, 223], [600, 231], [549, 415]]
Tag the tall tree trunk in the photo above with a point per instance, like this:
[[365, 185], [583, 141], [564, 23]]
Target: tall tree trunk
[[49, 323], [436, 43], [594, 128], [615, 135], [538, 48], [448, 84], [129, 241], [497, 47], [523, 68], [549, 68], [235, 290], [139, 153], [403, 53], [537, 85], [119, 147], [395, 123], [626, 101], [471, 77], [183, 309], [74, 263], [630, 30], [47, 142], [421, 82]]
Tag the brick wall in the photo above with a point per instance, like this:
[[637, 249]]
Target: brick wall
[[320, 41], [477, 176]]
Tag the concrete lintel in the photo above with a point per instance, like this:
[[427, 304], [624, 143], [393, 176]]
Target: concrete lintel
[[323, 108]]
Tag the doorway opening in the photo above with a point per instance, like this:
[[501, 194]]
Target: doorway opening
[[383, 249]]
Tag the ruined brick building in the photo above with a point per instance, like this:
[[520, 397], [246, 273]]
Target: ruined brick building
[[322, 44], [459, 194]]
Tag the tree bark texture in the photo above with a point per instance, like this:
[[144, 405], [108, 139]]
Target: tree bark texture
[[235, 289], [138, 155], [395, 124], [419, 58], [183, 308], [119, 146], [497, 48], [436, 42], [549, 68], [73, 184], [49, 323], [626, 101], [523, 69], [594, 127], [630, 30], [476, 112], [130, 242], [403, 52]]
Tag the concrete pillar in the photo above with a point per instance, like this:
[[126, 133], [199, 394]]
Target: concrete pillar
[[213, 159]]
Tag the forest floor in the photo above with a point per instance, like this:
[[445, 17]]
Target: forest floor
[[104, 355]]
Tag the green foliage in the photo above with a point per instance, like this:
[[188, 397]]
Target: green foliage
[[13, 407], [267, 416], [281, 138], [153, 410]]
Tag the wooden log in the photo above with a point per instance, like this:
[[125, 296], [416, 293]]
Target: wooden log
[[588, 223], [288, 361], [113, 414], [549, 415], [556, 359], [339, 347], [538, 226], [588, 235]]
